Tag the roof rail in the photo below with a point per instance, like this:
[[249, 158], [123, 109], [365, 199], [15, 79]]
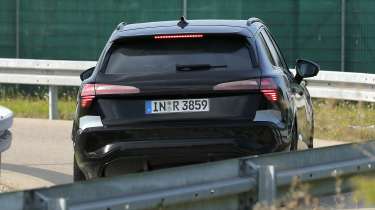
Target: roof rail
[[253, 20], [120, 25]]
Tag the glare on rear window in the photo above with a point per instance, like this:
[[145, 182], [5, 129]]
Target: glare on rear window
[[153, 56]]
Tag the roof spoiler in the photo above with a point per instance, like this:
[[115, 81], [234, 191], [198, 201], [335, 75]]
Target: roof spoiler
[[254, 20]]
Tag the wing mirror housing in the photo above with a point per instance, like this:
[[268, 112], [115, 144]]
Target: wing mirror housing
[[87, 73], [306, 69]]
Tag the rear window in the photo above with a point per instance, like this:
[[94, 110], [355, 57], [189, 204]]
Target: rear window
[[151, 56]]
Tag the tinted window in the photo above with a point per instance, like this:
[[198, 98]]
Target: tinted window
[[268, 52], [272, 49], [281, 58], [145, 56]]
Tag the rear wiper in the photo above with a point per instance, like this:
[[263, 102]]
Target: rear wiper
[[197, 67]]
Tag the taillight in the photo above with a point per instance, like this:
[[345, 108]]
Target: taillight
[[269, 89], [179, 36], [266, 86], [90, 91], [104, 89], [87, 95], [252, 84]]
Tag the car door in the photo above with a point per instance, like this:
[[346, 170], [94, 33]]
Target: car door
[[298, 91]]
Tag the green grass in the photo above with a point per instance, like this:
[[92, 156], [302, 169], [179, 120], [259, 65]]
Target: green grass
[[365, 190], [334, 120], [38, 108], [343, 120]]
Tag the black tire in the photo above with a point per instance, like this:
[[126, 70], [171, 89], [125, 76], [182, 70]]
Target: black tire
[[312, 143], [312, 133], [77, 173], [294, 143]]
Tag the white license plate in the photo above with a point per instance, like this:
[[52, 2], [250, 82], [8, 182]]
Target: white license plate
[[177, 106]]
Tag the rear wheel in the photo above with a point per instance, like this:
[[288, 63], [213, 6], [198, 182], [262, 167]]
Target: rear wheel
[[77, 173], [311, 146], [298, 144], [294, 143]]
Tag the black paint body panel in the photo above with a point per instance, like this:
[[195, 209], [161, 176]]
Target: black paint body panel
[[240, 123]]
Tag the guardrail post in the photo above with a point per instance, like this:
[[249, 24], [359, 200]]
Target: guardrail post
[[52, 103], [266, 184], [36, 200], [57, 204]]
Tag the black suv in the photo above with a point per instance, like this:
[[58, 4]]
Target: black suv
[[179, 92]]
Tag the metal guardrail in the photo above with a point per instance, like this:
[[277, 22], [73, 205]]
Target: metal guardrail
[[343, 85], [230, 184], [6, 121], [54, 73]]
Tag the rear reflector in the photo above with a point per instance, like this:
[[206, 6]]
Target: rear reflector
[[238, 85], [89, 91], [179, 36]]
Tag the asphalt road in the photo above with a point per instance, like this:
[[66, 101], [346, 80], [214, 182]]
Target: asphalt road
[[41, 154]]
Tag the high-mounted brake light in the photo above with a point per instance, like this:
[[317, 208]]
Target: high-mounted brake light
[[269, 89], [179, 36], [89, 91], [252, 84]]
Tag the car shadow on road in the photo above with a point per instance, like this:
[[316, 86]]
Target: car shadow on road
[[48, 175]]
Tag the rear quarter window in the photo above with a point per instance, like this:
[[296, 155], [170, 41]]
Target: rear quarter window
[[266, 48]]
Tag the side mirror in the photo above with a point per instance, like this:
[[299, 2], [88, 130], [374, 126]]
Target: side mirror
[[87, 73], [305, 69]]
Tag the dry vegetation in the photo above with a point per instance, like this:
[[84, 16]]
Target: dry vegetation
[[299, 198], [4, 188], [344, 120], [365, 190]]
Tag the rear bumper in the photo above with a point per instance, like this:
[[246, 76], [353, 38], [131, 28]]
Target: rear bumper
[[99, 150]]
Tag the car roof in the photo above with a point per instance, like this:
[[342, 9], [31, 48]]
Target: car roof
[[194, 26]]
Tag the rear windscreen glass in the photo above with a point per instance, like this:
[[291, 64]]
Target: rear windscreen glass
[[151, 56]]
